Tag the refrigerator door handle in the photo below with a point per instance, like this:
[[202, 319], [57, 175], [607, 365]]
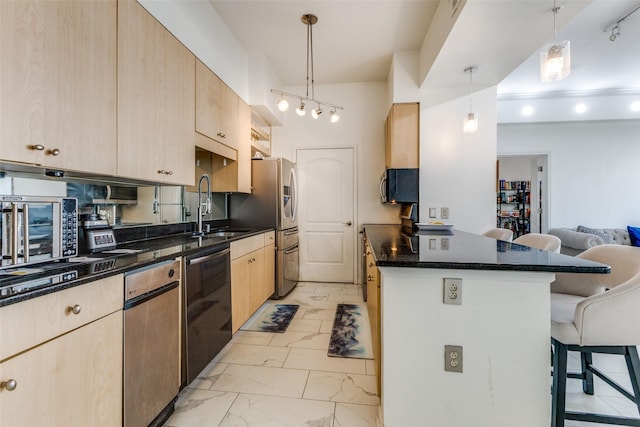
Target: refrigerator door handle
[[294, 193], [291, 231], [291, 250]]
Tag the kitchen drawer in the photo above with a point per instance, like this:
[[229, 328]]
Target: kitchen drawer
[[270, 238], [29, 323], [249, 244]]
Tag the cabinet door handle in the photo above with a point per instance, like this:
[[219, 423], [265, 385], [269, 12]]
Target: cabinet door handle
[[54, 152], [369, 278], [38, 147], [169, 172], [9, 385], [162, 171], [76, 309]]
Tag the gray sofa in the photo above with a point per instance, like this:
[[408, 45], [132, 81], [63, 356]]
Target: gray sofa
[[574, 242]]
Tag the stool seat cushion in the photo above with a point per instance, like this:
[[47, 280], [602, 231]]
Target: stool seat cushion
[[563, 310]]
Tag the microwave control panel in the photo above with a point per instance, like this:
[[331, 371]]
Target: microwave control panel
[[69, 229]]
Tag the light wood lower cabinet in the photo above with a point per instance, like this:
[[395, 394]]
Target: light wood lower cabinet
[[373, 308], [73, 380], [252, 276], [61, 357]]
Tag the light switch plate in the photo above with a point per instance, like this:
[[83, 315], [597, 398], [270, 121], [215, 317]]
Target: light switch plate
[[453, 358], [452, 291], [444, 213], [432, 212]]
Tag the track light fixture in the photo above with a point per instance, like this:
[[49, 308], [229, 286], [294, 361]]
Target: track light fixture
[[555, 57], [470, 122], [615, 27], [309, 20], [283, 104]]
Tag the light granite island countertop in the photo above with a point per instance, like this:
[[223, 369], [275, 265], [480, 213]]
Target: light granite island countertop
[[500, 316]]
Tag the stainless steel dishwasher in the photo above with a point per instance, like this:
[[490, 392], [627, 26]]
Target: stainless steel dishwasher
[[151, 341], [207, 313]]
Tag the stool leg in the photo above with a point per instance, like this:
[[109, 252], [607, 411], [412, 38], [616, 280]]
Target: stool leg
[[559, 388], [587, 376], [633, 365]]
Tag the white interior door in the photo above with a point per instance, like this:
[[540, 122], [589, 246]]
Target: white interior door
[[326, 217]]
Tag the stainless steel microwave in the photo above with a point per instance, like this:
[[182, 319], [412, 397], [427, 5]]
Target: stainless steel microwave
[[37, 229], [400, 185]]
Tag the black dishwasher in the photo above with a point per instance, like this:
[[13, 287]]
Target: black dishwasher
[[207, 311]]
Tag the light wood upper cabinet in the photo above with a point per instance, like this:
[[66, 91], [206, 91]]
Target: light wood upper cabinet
[[58, 84], [402, 139], [216, 107], [156, 100], [244, 147]]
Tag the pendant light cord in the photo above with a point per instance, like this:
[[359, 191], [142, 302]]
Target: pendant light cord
[[471, 93], [555, 13], [310, 58]]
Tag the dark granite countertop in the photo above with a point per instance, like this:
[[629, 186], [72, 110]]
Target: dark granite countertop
[[457, 249], [23, 283]]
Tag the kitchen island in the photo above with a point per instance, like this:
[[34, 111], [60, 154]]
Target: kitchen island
[[453, 288]]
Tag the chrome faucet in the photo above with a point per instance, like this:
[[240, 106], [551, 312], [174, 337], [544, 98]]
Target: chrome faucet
[[207, 203]]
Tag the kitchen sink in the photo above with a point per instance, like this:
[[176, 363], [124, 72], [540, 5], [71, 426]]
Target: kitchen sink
[[224, 233]]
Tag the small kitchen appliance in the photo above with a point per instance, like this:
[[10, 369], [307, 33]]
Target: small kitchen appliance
[[37, 229], [400, 185], [409, 217], [96, 234]]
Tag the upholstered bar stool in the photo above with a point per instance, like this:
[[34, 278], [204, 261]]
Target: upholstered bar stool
[[546, 242], [499, 234], [596, 313]]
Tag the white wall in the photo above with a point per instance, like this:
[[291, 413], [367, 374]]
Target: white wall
[[458, 170], [361, 126], [593, 169]]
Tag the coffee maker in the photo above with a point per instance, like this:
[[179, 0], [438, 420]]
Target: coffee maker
[[409, 217]]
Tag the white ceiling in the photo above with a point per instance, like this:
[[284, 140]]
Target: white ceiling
[[354, 41]]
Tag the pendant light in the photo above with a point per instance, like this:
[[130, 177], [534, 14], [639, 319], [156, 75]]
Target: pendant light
[[555, 57], [309, 20], [470, 122]]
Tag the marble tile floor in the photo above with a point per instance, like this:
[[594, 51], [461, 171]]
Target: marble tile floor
[[605, 400], [263, 379]]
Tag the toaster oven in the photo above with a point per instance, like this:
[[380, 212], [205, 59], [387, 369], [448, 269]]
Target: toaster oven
[[37, 229]]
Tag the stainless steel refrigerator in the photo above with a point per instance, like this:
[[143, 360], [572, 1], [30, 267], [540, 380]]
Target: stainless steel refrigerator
[[273, 203]]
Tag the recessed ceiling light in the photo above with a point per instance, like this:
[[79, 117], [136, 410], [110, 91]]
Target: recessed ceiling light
[[635, 106], [580, 108], [527, 110]]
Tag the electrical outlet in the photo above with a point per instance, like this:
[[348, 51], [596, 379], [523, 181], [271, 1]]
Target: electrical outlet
[[452, 291], [453, 358], [444, 213], [432, 212], [433, 244], [444, 243]]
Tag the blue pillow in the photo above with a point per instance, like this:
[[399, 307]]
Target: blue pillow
[[634, 235]]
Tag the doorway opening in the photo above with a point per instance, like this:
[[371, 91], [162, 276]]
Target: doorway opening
[[526, 210]]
